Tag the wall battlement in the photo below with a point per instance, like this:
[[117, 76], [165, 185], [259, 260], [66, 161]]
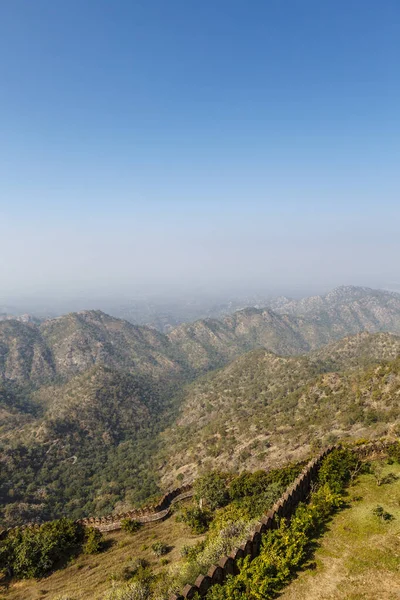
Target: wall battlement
[[148, 514], [297, 492]]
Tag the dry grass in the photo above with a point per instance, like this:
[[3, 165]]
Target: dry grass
[[89, 577], [359, 557]]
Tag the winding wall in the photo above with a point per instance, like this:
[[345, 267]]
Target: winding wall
[[285, 507], [148, 514]]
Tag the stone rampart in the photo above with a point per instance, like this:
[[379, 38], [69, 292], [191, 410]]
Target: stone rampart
[[161, 510], [148, 514], [297, 492]]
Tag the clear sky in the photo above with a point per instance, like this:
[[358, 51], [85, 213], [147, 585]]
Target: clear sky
[[198, 144]]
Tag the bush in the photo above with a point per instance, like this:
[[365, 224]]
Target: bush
[[191, 552], [382, 514], [394, 452], [133, 568], [130, 525], [249, 484], [94, 541], [337, 468], [137, 590], [159, 548], [198, 519], [212, 489], [35, 551]]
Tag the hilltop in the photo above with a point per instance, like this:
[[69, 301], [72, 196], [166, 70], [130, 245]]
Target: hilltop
[[65, 346], [347, 309], [99, 414], [358, 350]]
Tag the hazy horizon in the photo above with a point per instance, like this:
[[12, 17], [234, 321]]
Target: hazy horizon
[[152, 149]]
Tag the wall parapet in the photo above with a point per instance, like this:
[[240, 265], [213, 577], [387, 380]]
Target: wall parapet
[[297, 492], [147, 514], [112, 522]]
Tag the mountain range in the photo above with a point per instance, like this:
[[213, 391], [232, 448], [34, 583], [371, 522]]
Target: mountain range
[[98, 414], [68, 345]]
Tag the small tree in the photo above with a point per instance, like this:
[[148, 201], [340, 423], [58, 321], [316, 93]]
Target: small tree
[[35, 551], [211, 488], [94, 541], [198, 519], [130, 525]]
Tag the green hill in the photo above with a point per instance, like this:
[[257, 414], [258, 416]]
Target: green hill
[[89, 448], [96, 413], [264, 409]]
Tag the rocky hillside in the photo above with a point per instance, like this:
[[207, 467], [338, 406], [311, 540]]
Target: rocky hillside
[[347, 309], [24, 354], [358, 350], [63, 347], [289, 327], [264, 409], [95, 414], [78, 341]]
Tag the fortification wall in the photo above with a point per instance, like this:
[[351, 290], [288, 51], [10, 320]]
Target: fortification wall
[[161, 510], [148, 514], [374, 448], [297, 492]]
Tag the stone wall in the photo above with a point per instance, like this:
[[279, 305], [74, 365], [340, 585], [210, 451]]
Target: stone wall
[[148, 514], [285, 507], [373, 449], [159, 511]]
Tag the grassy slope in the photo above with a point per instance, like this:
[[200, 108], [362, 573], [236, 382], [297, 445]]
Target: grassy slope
[[359, 556], [89, 577]]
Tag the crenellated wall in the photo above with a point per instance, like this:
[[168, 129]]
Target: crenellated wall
[[148, 514], [297, 492], [161, 510]]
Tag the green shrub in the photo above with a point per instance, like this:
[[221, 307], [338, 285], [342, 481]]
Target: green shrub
[[35, 551], [133, 568], [380, 512], [212, 488], [249, 484], [394, 451], [337, 468], [196, 518], [136, 590], [94, 541], [159, 548], [191, 552], [130, 525]]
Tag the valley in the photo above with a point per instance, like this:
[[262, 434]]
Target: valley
[[100, 415]]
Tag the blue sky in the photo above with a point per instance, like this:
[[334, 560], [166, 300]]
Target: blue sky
[[198, 142]]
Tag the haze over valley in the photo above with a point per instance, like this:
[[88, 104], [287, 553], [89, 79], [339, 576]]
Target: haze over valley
[[199, 300], [107, 416]]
